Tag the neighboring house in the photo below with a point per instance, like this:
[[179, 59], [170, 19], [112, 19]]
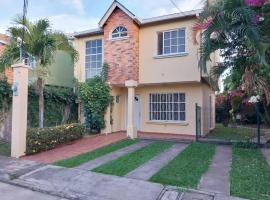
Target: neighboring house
[[4, 41], [153, 72], [61, 71]]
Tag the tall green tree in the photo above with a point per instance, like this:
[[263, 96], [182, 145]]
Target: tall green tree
[[240, 30], [40, 44]]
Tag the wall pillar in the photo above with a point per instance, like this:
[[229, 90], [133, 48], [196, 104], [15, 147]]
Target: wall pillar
[[19, 110], [107, 118], [131, 129]]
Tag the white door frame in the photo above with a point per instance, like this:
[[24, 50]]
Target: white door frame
[[137, 111]]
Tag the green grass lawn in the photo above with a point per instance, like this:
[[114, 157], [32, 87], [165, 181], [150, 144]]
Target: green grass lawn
[[127, 163], [228, 133], [85, 157], [186, 169], [250, 174], [4, 149]]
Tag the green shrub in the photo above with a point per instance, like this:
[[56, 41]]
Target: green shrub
[[47, 138], [95, 95]]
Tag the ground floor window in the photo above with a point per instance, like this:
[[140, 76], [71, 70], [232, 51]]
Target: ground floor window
[[167, 106]]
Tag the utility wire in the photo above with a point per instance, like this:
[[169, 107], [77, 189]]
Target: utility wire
[[176, 6]]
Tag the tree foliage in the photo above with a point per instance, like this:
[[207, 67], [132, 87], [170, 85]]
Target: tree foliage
[[240, 30], [40, 45], [95, 95]]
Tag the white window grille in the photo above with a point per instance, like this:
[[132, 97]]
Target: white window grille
[[167, 106]]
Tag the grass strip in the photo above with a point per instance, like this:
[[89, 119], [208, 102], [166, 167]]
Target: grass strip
[[229, 133], [186, 169], [250, 174], [4, 149], [85, 157], [127, 163]]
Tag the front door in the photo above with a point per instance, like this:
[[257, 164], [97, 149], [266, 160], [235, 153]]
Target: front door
[[137, 112]]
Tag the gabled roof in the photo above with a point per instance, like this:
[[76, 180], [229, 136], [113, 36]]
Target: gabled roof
[[113, 6], [90, 32], [171, 16], [149, 21]]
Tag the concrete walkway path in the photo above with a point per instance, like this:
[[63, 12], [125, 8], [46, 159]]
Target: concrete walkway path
[[75, 184], [147, 170], [266, 153], [86, 144], [217, 178], [87, 185], [11, 192], [111, 156]]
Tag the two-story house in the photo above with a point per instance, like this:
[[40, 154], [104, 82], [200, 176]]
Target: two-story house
[[153, 72]]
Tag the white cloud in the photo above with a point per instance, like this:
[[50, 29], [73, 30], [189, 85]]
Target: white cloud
[[163, 7], [72, 23], [77, 4]]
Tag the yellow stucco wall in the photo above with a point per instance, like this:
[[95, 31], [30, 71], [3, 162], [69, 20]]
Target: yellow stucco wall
[[181, 74], [207, 92], [155, 69], [193, 93]]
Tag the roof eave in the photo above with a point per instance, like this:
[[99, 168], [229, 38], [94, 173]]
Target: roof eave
[[110, 10]]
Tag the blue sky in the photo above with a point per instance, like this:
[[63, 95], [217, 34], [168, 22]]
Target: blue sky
[[78, 15]]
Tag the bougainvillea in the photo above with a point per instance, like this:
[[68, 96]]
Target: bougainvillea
[[256, 3]]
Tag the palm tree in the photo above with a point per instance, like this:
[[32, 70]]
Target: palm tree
[[40, 44], [240, 30]]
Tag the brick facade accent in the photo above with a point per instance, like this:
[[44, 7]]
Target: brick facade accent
[[122, 55]]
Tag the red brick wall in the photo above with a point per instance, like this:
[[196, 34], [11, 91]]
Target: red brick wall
[[121, 55]]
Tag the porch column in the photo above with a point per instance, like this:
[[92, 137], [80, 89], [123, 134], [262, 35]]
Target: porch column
[[131, 129], [19, 110]]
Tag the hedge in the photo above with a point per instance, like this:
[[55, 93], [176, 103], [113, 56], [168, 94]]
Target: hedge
[[44, 139]]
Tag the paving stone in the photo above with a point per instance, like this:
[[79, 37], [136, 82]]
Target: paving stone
[[80, 184], [266, 153], [170, 195], [225, 197], [147, 170], [217, 179], [196, 196], [111, 156], [86, 144], [11, 192], [14, 167]]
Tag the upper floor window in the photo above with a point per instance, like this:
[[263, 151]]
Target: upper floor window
[[93, 58], [119, 32], [172, 42]]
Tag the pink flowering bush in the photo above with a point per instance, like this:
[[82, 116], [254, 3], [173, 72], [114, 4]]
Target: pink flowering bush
[[256, 3]]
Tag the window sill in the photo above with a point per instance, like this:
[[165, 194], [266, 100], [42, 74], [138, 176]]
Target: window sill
[[170, 55], [179, 123], [117, 39]]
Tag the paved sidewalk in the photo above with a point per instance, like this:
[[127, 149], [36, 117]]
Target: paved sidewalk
[[11, 192], [77, 147], [266, 153], [76, 184], [111, 156], [87, 185], [147, 170], [217, 178]]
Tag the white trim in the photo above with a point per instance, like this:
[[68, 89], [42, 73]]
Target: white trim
[[110, 11], [102, 56], [166, 110], [171, 55], [177, 45], [120, 38], [3, 42], [180, 123]]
